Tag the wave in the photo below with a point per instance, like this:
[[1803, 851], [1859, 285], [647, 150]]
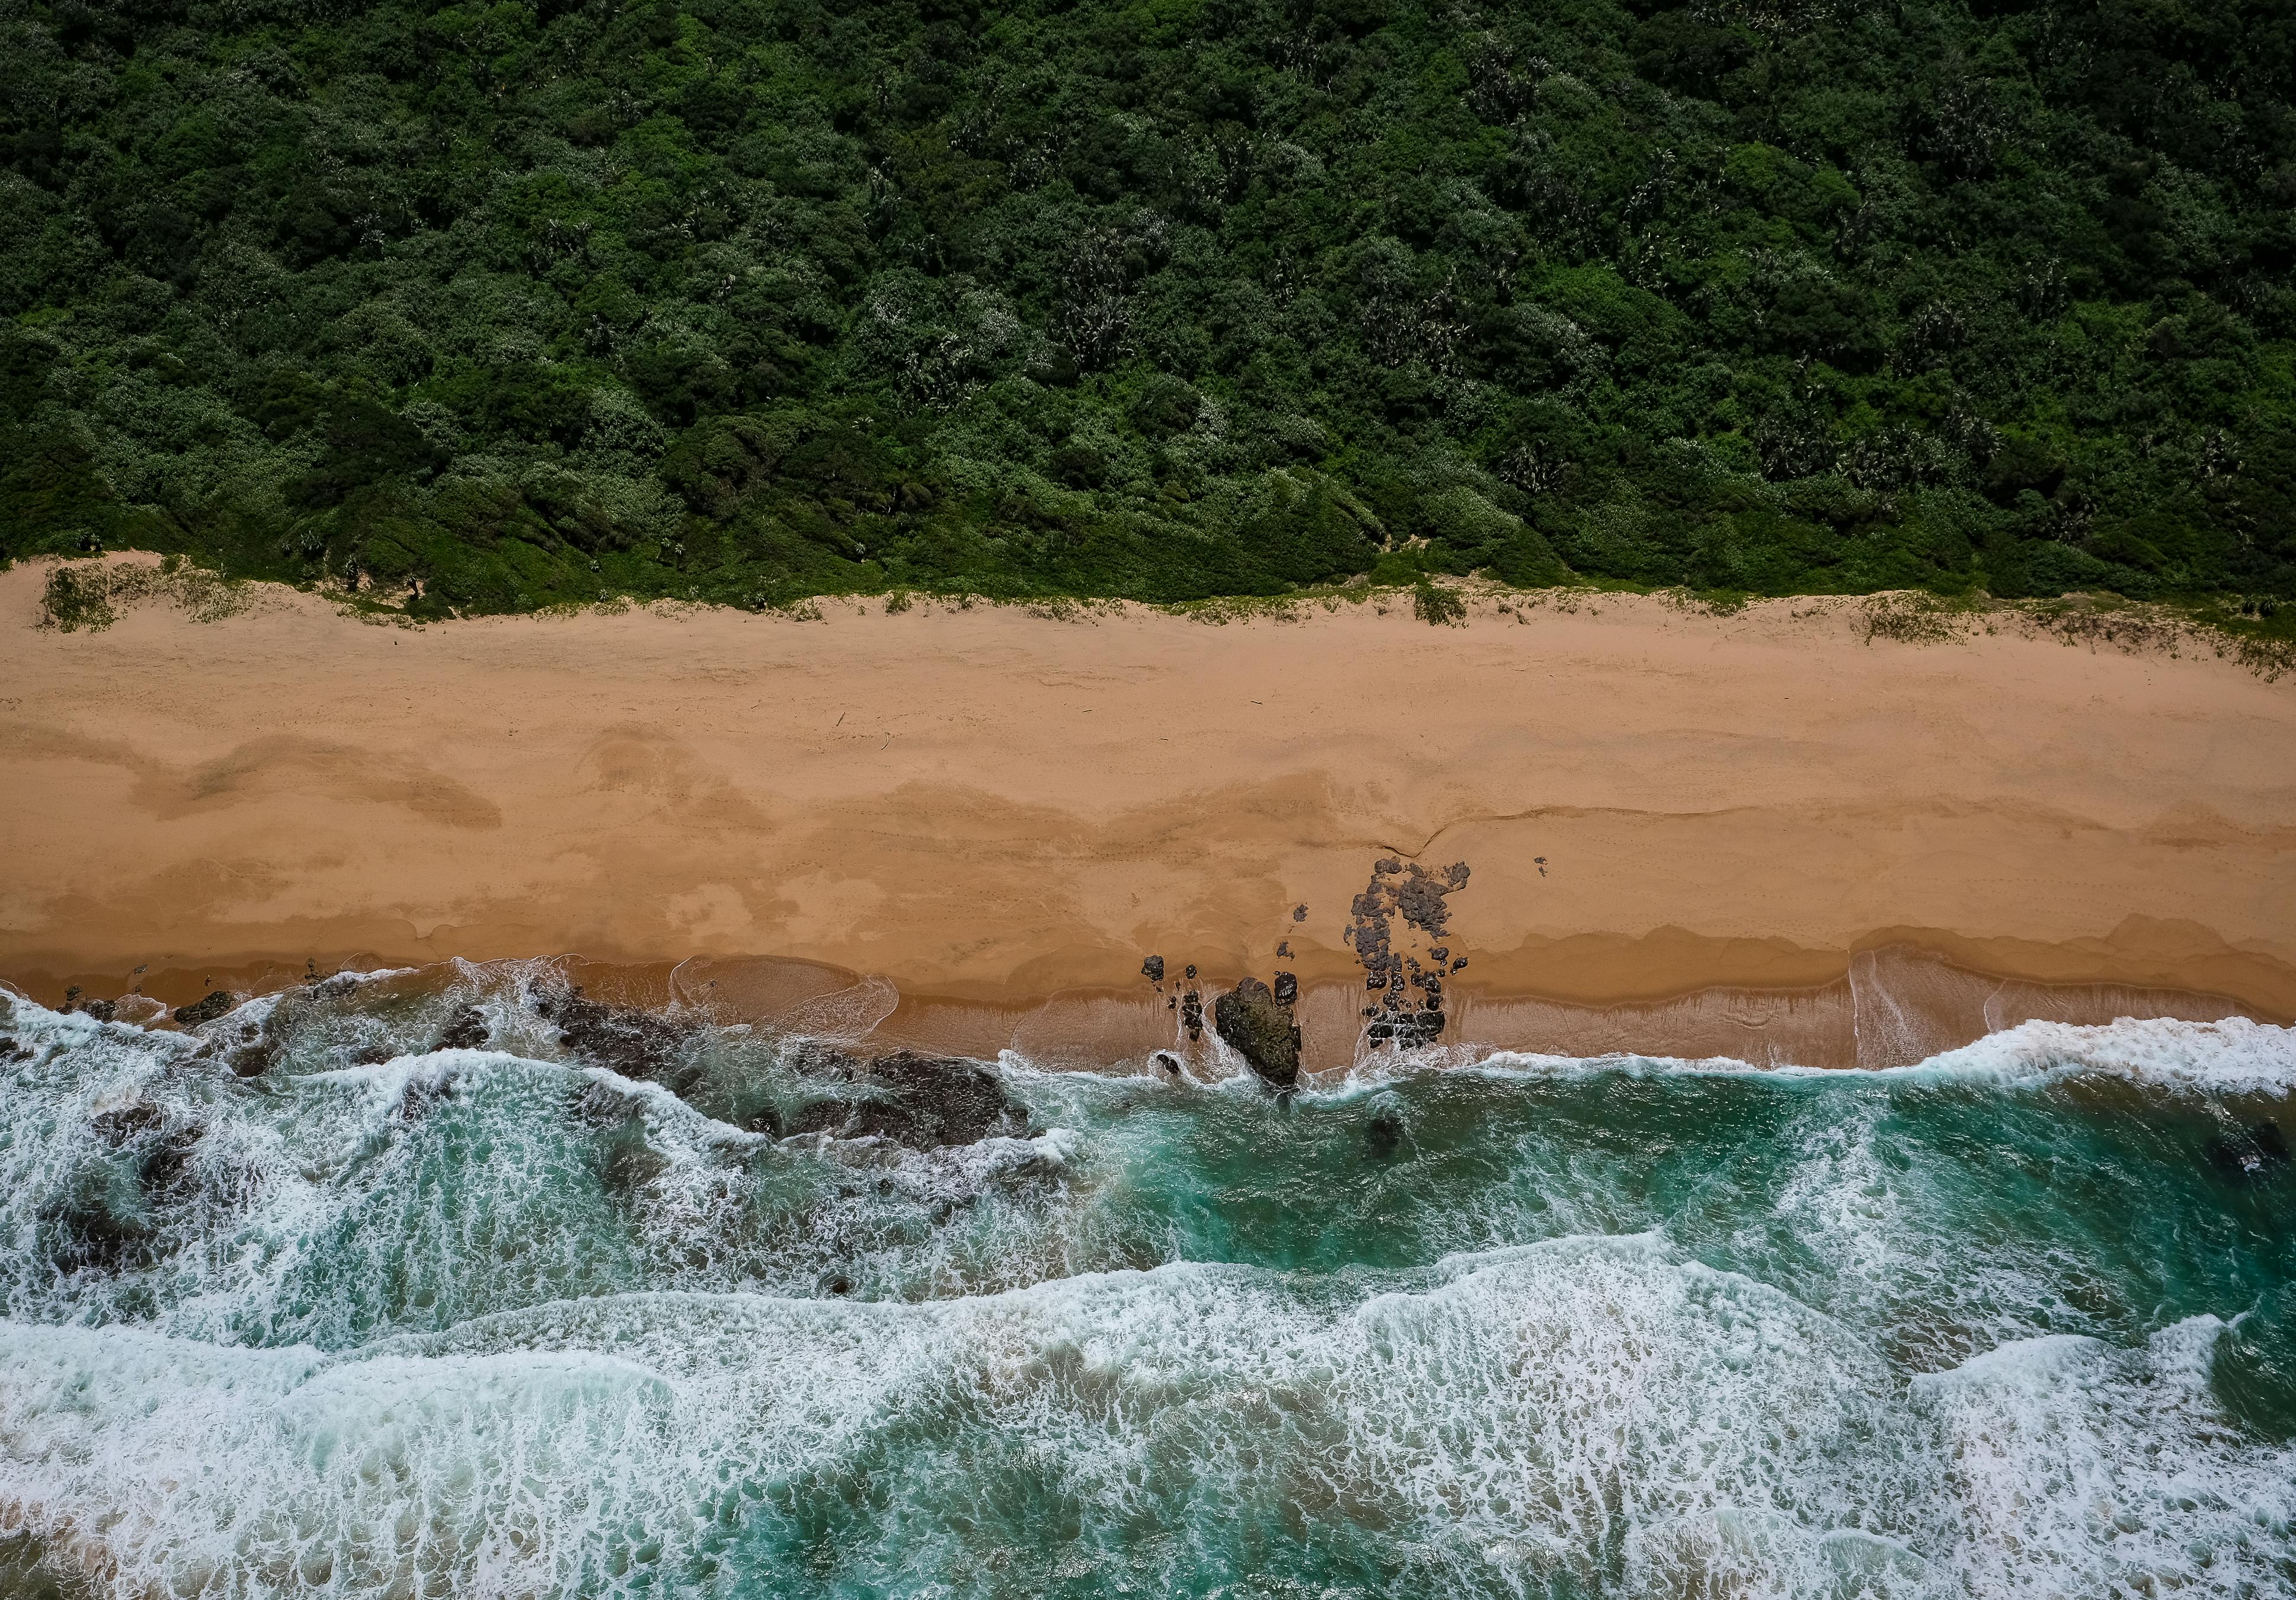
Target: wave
[[386, 1319], [2234, 1055], [1602, 1412]]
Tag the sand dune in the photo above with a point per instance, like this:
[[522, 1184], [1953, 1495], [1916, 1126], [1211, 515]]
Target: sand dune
[[990, 806]]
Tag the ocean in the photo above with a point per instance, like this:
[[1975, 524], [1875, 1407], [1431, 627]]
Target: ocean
[[299, 1303]]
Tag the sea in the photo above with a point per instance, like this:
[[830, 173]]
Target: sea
[[383, 1288]]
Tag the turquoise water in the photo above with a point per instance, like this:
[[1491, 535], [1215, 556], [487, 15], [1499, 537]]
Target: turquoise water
[[497, 1323]]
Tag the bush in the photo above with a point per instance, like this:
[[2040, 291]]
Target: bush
[[1435, 606]]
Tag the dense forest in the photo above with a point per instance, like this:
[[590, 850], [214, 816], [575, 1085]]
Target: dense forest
[[490, 306]]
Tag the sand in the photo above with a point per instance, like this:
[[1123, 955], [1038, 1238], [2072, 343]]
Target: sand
[[990, 806]]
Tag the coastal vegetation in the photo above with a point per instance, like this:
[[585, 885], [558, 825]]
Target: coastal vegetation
[[478, 308]]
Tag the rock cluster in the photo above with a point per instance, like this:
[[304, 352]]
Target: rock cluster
[[925, 1101], [1259, 1027], [1420, 899], [636, 1044]]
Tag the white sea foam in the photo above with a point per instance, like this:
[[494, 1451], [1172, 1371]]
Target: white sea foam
[[2236, 1055], [1594, 1411], [480, 1406]]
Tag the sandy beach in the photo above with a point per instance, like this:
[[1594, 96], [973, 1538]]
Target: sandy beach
[[1665, 811]]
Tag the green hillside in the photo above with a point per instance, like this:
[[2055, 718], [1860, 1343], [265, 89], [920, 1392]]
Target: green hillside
[[496, 307]]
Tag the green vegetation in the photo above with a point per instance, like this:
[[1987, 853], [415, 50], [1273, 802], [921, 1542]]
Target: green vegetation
[[491, 306]]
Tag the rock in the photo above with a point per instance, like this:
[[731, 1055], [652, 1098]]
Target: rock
[[1192, 1013], [1287, 989], [102, 1011], [925, 1101], [1258, 1029], [1152, 969], [206, 1009], [123, 1123], [636, 1044], [1383, 1134], [1168, 1063], [467, 1031], [2251, 1154], [421, 1095]]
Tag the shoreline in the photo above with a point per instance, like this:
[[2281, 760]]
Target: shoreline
[[995, 808], [1892, 1006]]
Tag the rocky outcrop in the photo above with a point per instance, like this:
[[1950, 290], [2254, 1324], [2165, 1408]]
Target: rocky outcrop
[[636, 1044], [1420, 900], [207, 1008], [2250, 1156], [468, 1031], [1260, 1030], [925, 1101]]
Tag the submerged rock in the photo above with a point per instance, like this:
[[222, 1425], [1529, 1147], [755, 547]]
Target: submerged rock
[[207, 1008], [924, 1102], [467, 1031], [1383, 1134], [636, 1044], [2251, 1154], [1259, 1031]]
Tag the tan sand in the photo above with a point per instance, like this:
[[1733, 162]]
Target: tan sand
[[990, 806]]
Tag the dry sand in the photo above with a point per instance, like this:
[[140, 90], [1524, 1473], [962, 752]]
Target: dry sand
[[990, 808]]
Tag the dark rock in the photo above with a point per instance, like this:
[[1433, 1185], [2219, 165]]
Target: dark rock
[[1191, 973], [91, 1232], [1259, 1031], [1152, 969], [165, 1173], [206, 1009], [1167, 1062], [1287, 989], [123, 1124], [1299, 913], [422, 1094], [258, 1049], [627, 1162], [1192, 1013], [102, 1011], [1383, 1134], [925, 1101], [600, 1106], [636, 1044], [105, 1226], [2251, 1154], [467, 1031], [372, 1055]]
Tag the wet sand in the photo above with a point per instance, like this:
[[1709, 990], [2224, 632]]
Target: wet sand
[[993, 809]]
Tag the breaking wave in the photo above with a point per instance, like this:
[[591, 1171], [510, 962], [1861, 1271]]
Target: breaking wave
[[301, 1303]]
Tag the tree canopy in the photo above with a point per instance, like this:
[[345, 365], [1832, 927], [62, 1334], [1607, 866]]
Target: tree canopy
[[494, 306]]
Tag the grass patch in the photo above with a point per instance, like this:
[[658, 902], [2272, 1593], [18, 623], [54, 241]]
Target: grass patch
[[1437, 606]]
